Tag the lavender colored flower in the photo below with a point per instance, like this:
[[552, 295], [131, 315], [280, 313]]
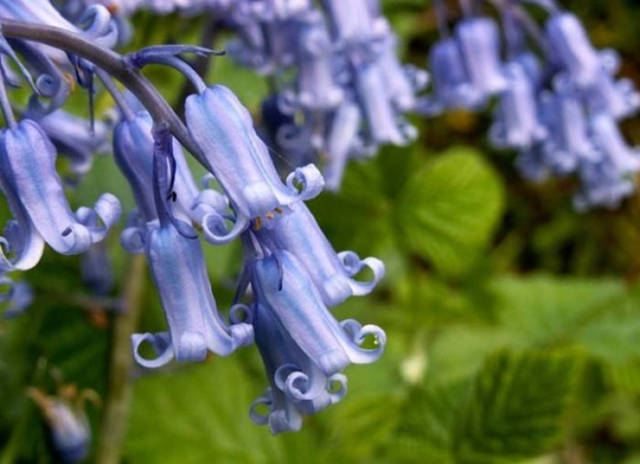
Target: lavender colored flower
[[316, 86], [572, 49], [609, 142], [263, 46], [283, 287], [565, 118], [195, 326], [239, 159], [297, 385], [451, 84], [67, 420], [15, 296], [517, 123], [618, 98], [479, 43], [133, 152], [180, 275], [341, 142], [332, 274], [75, 138], [30, 181], [352, 21], [403, 81], [100, 28], [383, 123]]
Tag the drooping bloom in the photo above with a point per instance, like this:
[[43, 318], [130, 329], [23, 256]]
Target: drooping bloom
[[239, 160], [479, 42], [75, 138], [572, 49], [517, 123], [16, 296], [35, 194], [67, 420], [566, 120], [282, 286], [101, 30], [297, 385], [332, 273], [342, 141], [452, 87], [133, 152], [315, 82], [180, 276]]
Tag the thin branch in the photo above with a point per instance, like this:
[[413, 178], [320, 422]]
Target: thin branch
[[115, 65], [117, 401]]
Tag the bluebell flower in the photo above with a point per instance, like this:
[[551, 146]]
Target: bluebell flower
[[611, 145], [282, 286], [133, 152], [33, 187], [100, 28], [479, 42], [239, 160], [75, 138], [571, 48], [532, 163], [180, 276], [403, 81], [517, 123], [352, 21], [16, 296], [451, 84], [67, 420], [296, 385], [565, 118], [618, 98], [383, 123], [316, 87], [332, 273], [264, 46], [96, 269], [342, 141]]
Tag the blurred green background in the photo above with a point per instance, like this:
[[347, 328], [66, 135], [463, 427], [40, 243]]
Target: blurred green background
[[513, 321]]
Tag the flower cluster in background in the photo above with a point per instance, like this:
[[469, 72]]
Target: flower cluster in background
[[557, 98]]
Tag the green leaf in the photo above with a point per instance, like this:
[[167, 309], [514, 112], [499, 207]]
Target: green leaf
[[203, 412], [448, 210], [541, 310], [429, 419], [517, 407]]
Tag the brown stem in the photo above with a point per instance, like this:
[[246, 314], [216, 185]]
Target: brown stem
[[116, 407]]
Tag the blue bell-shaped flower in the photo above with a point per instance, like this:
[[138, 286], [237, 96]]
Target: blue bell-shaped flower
[[517, 123], [297, 385], [239, 160], [479, 42], [34, 189], [282, 285], [332, 273]]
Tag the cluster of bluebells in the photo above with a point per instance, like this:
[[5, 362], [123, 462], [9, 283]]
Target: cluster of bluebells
[[338, 89], [558, 108], [291, 275]]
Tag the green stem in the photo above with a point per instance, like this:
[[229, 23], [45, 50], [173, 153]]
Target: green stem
[[116, 406]]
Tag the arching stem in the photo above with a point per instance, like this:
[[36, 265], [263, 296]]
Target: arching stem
[[116, 66]]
